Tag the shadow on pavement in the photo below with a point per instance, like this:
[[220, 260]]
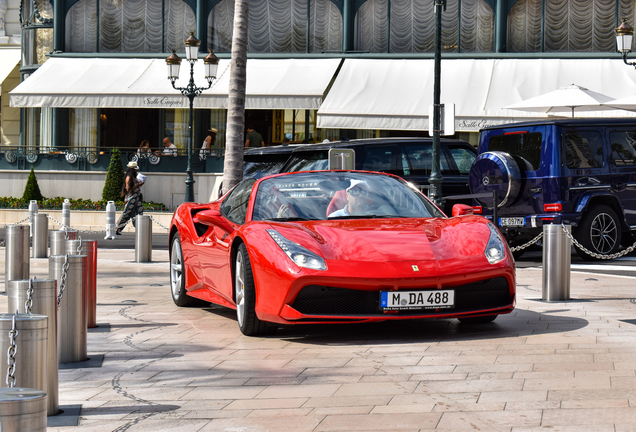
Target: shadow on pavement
[[518, 323]]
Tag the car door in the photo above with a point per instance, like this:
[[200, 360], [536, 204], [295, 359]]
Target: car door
[[417, 160], [586, 165], [623, 169], [214, 246]]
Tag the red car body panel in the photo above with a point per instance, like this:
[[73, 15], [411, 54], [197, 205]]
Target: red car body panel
[[360, 254]]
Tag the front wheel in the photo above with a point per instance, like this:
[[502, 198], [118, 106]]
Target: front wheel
[[599, 231], [245, 297], [177, 275]]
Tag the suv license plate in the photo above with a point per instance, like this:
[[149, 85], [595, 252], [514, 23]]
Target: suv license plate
[[404, 300], [512, 221]]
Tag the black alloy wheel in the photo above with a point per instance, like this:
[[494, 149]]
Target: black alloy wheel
[[599, 231]]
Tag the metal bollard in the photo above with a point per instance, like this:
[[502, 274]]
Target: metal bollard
[[66, 215], [71, 313], [40, 236], [556, 263], [33, 210], [22, 409], [44, 300], [58, 241], [30, 357], [143, 239], [89, 247], [17, 260], [110, 221]]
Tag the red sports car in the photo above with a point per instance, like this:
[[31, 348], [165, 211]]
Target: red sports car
[[336, 247]]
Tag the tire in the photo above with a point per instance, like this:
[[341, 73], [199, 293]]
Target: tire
[[498, 171], [599, 231], [177, 276], [478, 320], [245, 297]]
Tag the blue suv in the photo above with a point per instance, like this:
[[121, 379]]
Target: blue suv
[[580, 172]]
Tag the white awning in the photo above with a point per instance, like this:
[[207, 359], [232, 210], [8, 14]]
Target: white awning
[[143, 83], [9, 59], [396, 94]]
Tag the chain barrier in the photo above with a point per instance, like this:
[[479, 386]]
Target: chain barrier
[[11, 352], [120, 226], [67, 228], [159, 223], [60, 292], [80, 248], [594, 254], [15, 223], [28, 304], [530, 243]]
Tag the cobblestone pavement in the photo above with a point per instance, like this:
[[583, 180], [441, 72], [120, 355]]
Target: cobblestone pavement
[[564, 366]]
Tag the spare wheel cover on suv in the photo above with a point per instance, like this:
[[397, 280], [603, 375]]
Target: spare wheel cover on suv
[[495, 170]]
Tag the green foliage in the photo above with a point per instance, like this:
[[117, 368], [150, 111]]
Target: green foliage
[[114, 178], [32, 190], [76, 204]]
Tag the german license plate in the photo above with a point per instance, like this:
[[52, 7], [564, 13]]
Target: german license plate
[[512, 221], [404, 300]]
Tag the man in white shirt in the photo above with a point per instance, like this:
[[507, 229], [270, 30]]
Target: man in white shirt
[[168, 147], [357, 199]]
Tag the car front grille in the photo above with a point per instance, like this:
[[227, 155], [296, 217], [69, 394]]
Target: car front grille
[[326, 300]]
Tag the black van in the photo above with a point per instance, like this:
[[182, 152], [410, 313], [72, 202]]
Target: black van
[[409, 158]]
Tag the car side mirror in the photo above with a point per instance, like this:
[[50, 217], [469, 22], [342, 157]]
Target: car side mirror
[[462, 209]]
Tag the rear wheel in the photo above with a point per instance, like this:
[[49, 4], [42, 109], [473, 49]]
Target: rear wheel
[[177, 276], [478, 320], [245, 297], [599, 231]]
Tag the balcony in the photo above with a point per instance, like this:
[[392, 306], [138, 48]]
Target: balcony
[[98, 159]]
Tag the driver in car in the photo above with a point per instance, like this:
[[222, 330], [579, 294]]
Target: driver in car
[[358, 199]]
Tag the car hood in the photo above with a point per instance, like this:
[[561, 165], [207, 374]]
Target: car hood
[[390, 240]]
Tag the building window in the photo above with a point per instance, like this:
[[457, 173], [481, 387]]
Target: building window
[[565, 26], [279, 26], [405, 26], [132, 26]]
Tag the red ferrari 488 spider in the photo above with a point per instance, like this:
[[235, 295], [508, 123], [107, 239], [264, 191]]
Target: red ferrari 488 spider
[[336, 247]]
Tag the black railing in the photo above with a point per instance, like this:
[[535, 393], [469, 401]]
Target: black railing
[[98, 159]]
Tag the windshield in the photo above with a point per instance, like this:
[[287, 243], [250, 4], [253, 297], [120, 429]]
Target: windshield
[[339, 195], [258, 169], [308, 161]]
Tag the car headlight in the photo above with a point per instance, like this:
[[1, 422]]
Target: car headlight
[[298, 254], [496, 248]]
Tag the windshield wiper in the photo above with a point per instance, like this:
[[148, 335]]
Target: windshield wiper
[[372, 216], [288, 219]]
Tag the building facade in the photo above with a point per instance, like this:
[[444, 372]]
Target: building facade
[[317, 69], [10, 35]]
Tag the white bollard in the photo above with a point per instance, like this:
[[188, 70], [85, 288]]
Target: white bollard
[[66, 215], [110, 221], [33, 210]]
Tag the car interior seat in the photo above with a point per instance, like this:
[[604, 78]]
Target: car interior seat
[[338, 201]]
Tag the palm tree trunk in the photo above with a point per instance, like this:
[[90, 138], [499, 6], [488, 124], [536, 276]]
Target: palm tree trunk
[[233, 165]]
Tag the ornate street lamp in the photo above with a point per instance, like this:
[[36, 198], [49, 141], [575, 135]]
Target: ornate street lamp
[[624, 36], [211, 63], [436, 179]]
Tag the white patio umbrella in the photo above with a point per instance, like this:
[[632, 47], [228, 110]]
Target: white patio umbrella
[[564, 99], [627, 103]]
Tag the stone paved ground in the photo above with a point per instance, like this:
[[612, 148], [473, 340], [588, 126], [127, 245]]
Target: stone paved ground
[[567, 366]]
